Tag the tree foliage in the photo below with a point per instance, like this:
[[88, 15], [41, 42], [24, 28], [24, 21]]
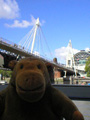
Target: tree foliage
[[87, 67], [6, 73]]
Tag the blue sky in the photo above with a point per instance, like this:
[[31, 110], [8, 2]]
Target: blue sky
[[61, 21]]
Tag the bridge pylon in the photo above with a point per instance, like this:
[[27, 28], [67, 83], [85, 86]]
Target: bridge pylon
[[28, 41], [34, 36], [35, 42]]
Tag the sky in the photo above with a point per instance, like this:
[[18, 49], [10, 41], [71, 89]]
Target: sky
[[60, 21]]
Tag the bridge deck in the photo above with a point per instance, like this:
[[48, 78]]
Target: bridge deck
[[15, 49]]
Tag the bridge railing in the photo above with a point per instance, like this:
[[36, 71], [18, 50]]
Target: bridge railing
[[12, 44], [22, 49], [19, 47], [6, 41]]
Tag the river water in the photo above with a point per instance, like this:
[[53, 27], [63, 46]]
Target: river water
[[84, 107]]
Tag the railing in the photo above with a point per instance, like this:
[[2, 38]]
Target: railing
[[21, 48], [9, 44]]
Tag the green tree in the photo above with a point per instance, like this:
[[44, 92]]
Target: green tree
[[87, 67], [5, 73]]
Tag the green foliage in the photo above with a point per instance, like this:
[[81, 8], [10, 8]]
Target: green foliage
[[87, 67], [6, 73]]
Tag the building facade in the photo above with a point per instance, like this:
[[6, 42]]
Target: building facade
[[80, 59], [77, 61]]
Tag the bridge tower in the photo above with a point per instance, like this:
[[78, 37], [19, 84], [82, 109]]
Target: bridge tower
[[28, 41], [69, 57], [35, 42], [34, 36]]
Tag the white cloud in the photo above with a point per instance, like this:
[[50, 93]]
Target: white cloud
[[9, 9], [62, 52], [87, 49], [24, 23]]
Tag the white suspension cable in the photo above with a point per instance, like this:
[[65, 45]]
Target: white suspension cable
[[26, 39], [35, 40], [46, 42], [41, 38], [30, 40], [23, 39]]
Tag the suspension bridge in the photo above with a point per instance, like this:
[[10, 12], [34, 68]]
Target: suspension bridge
[[27, 47], [31, 46]]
